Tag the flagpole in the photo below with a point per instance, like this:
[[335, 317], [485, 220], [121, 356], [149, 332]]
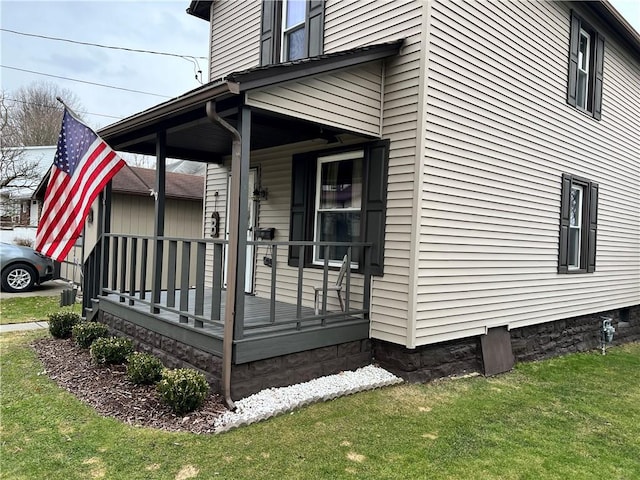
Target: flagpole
[[71, 112]]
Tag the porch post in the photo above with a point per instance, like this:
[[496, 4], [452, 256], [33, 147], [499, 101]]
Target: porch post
[[158, 231], [104, 222], [243, 215]]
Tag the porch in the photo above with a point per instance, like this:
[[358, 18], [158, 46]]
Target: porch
[[194, 290], [185, 298]]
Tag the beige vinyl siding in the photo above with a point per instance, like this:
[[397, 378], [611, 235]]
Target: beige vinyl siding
[[351, 24], [231, 51], [349, 99], [348, 24], [216, 180], [499, 136]]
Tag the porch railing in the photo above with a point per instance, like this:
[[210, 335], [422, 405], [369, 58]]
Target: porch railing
[[184, 278]]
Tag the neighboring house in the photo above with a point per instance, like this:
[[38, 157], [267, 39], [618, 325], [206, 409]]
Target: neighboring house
[[132, 212], [477, 162], [17, 205]]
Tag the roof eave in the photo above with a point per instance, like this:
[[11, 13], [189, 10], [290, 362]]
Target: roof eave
[[200, 9], [170, 108], [285, 72], [605, 10]]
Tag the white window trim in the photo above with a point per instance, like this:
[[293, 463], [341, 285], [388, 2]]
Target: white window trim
[[351, 155], [283, 34], [587, 35], [578, 226]]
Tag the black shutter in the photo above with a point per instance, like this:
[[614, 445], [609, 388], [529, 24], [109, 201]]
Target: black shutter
[[574, 39], [270, 32], [375, 201], [314, 28], [597, 84], [593, 227], [303, 171], [565, 201]]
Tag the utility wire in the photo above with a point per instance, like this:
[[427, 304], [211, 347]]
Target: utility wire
[[84, 81], [101, 46], [190, 58], [56, 108]]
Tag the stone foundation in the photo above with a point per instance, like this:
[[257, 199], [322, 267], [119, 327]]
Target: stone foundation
[[250, 377], [429, 362], [578, 334], [421, 364]]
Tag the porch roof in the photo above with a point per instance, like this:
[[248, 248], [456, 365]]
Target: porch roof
[[192, 136]]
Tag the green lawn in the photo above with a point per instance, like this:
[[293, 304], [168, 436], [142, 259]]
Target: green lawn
[[29, 309], [575, 417]]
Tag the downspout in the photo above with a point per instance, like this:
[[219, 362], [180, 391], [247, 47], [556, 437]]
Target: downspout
[[229, 312]]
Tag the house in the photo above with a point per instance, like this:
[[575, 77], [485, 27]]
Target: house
[[132, 212], [16, 203], [474, 165]]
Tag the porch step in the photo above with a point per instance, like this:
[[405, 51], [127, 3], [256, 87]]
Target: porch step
[[91, 312]]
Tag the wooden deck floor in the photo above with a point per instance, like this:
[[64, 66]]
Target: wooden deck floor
[[257, 314]]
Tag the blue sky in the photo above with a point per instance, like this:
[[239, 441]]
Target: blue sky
[[159, 25]]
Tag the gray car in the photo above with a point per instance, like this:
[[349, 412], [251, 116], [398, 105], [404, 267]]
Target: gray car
[[23, 267]]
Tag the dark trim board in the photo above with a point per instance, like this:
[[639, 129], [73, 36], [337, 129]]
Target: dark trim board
[[251, 349], [258, 346]]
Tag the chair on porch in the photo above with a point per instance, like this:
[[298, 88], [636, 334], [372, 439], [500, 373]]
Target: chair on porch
[[337, 288]]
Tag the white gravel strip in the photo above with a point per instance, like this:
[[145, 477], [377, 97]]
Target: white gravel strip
[[274, 401]]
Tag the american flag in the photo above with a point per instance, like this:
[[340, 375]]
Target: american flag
[[82, 166]]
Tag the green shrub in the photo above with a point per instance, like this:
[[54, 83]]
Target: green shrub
[[183, 389], [61, 323], [110, 351], [84, 333], [143, 368]]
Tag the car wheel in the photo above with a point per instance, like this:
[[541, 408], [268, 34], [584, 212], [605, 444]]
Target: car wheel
[[18, 278]]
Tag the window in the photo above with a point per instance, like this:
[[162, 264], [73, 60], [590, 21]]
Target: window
[[338, 202], [578, 225], [339, 197], [291, 30], [586, 64], [575, 225]]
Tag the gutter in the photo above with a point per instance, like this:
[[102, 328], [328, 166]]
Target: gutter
[[233, 222]]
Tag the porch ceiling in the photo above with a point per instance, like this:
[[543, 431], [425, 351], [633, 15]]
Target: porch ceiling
[[190, 135], [199, 139]]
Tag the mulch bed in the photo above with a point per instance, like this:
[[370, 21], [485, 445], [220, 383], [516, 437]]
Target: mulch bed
[[111, 394]]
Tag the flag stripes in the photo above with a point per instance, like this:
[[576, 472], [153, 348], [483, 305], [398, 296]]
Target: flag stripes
[[80, 172]]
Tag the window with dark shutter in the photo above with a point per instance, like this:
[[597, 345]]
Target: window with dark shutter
[[586, 66], [291, 30], [578, 225], [349, 206]]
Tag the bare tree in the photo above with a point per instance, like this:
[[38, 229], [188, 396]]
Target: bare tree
[[36, 114], [31, 116], [15, 171], [138, 160]]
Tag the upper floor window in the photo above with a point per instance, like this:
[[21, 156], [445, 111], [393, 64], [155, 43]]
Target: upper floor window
[[291, 30], [586, 63], [293, 33], [578, 225]]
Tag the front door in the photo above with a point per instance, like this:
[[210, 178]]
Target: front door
[[251, 223]]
